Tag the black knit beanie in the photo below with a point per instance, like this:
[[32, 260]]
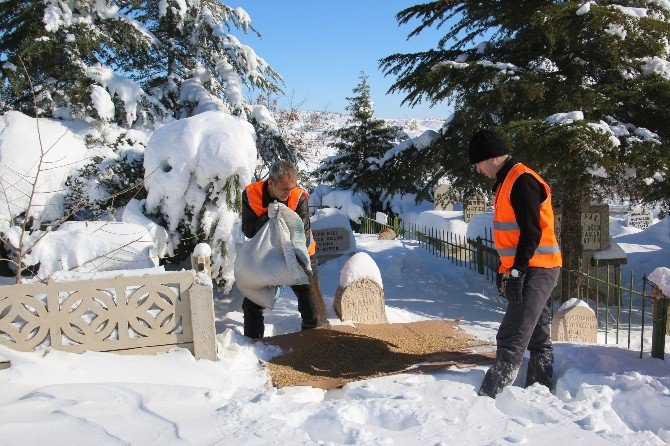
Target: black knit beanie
[[484, 145]]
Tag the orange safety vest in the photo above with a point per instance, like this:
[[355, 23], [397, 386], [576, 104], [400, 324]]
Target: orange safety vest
[[506, 229], [255, 196]]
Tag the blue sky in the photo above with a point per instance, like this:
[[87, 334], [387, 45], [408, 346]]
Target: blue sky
[[320, 47]]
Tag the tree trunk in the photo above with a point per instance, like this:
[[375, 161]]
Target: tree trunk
[[571, 241]]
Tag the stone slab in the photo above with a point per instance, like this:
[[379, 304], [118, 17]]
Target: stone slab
[[473, 205], [361, 301], [577, 324], [441, 198], [595, 227], [331, 241], [387, 234], [330, 357], [640, 219]]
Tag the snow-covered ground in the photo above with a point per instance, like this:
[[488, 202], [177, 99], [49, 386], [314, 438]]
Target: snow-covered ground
[[604, 394]]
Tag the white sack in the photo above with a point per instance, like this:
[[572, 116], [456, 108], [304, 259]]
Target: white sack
[[270, 259]]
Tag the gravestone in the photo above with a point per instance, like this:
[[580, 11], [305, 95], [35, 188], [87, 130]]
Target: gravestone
[[475, 204], [382, 218], [441, 198], [387, 234], [361, 301], [595, 227], [640, 219], [331, 241], [576, 324]]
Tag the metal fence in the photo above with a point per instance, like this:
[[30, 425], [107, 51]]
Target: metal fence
[[623, 308]]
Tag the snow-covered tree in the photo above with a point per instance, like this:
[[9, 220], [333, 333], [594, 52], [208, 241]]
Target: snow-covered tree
[[272, 144], [126, 67], [199, 65], [579, 90], [358, 145], [77, 56], [127, 60]]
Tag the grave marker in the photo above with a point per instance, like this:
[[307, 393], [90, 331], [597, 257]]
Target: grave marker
[[441, 198], [382, 218], [475, 204], [361, 301], [595, 227], [331, 241], [387, 234], [640, 219], [576, 324]]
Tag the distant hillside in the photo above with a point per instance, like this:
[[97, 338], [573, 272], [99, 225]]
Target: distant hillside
[[308, 130]]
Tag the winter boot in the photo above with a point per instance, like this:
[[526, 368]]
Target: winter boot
[[541, 369], [501, 374], [254, 326]]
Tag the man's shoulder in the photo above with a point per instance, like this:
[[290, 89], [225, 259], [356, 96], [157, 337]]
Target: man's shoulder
[[255, 185]]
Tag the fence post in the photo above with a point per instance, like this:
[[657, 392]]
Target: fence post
[[480, 256], [660, 316], [644, 290]]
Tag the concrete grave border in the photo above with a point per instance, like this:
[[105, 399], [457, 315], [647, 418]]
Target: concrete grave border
[[143, 314]]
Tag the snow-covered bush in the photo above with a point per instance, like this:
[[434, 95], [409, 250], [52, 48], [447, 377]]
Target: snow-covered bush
[[36, 157], [195, 170], [112, 177]]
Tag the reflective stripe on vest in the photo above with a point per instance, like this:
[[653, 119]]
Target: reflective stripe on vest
[[255, 196], [506, 230]]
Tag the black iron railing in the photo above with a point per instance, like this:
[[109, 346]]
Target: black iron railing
[[622, 309]]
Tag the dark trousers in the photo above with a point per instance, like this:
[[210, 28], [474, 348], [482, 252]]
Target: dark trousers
[[526, 325], [254, 321]]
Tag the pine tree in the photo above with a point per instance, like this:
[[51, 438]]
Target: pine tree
[[358, 146], [58, 47], [199, 65], [176, 58], [514, 66]]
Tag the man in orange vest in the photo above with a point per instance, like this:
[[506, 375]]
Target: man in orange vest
[[261, 201], [530, 261]]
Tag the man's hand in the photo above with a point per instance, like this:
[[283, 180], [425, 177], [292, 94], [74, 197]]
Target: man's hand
[[273, 208], [514, 289]]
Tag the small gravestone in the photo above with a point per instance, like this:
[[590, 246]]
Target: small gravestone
[[387, 234], [640, 219], [595, 227], [333, 235], [574, 324], [382, 218], [331, 241], [475, 204], [441, 198], [361, 301]]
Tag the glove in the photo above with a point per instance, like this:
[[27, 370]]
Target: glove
[[514, 289], [500, 284], [273, 208]]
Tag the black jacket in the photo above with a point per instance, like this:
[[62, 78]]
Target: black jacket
[[526, 196], [251, 223]]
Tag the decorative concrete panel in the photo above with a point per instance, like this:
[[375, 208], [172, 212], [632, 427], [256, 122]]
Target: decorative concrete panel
[[143, 314]]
